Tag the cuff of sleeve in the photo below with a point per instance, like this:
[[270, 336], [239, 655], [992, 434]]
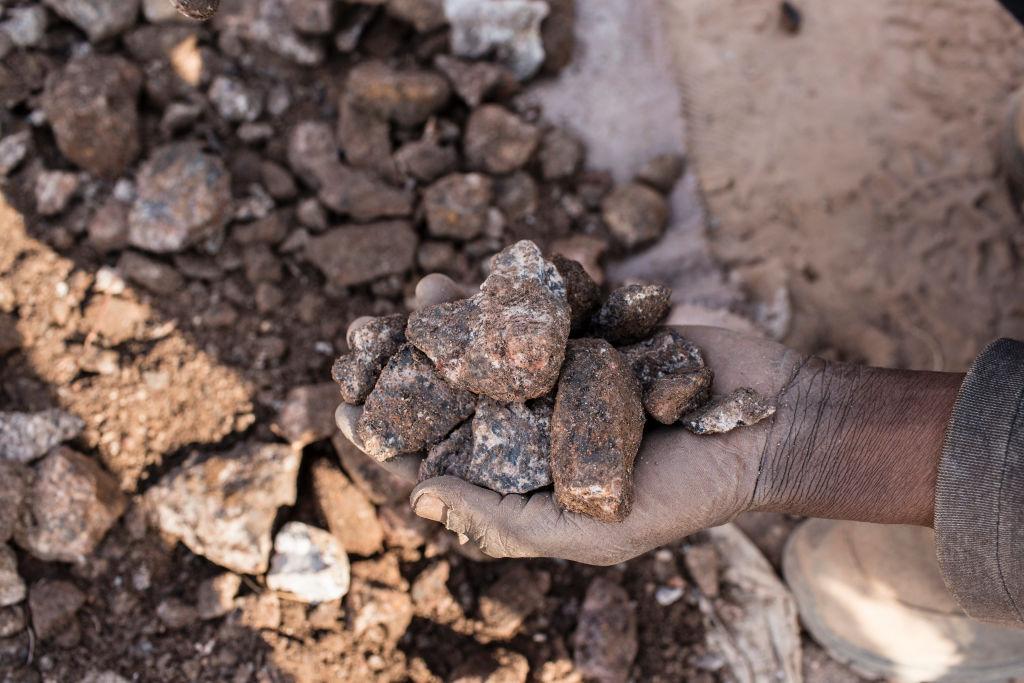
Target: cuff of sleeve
[[979, 498]]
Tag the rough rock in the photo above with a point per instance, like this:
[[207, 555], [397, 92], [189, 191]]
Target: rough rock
[[365, 138], [424, 15], [307, 414], [662, 172], [508, 341], [372, 607], [223, 505], [505, 448], [12, 587], [12, 621], [425, 159], [25, 26], [506, 603], [92, 106], [350, 516], [596, 431], [406, 96], [500, 665], [474, 82], [53, 605], [216, 595], [150, 274], [635, 214], [431, 596], [378, 484], [411, 407], [605, 642], [509, 29], [741, 408], [631, 313], [498, 141], [355, 254], [371, 345], [308, 564], [27, 436], [100, 19], [183, 197], [558, 35], [54, 190], [672, 374], [587, 250], [457, 205], [262, 23], [583, 293], [70, 506], [703, 564], [278, 182], [560, 154], [15, 479], [311, 16], [235, 101], [13, 150]]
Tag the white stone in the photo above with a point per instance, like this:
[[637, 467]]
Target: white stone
[[12, 587], [308, 564], [509, 28]]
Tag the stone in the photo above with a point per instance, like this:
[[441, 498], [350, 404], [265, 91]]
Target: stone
[[53, 604], [741, 408], [366, 140], [175, 614], [257, 611], [350, 516], [505, 448], [631, 313], [311, 213], [108, 228], [703, 564], [269, 230], [372, 607], [308, 564], [184, 196], [70, 506], [635, 214], [100, 19], [403, 528], [150, 274], [15, 480], [13, 150], [53, 191], [356, 254], [423, 15], [92, 107], [605, 641], [379, 485], [500, 665], [583, 293], [407, 97], [223, 505], [560, 154], [662, 172], [264, 25], [12, 621], [506, 603], [410, 408], [672, 374], [508, 341], [307, 414], [12, 587], [25, 26], [431, 596], [235, 101], [425, 159], [216, 595], [498, 141], [509, 29], [371, 345], [311, 16], [596, 429], [457, 205], [474, 82], [278, 182], [27, 436]]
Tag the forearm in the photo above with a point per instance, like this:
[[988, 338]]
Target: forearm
[[857, 443]]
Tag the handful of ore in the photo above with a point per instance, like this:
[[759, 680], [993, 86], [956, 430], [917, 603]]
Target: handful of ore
[[534, 381]]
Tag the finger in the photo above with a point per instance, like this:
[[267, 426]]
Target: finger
[[346, 417], [354, 326], [406, 467], [436, 289]]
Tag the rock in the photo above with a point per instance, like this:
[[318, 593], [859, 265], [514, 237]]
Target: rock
[[15, 479], [410, 408], [560, 154], [741, 408], [635, 214], [53, 191], [10, 338], [308, 564], [12, 587], [53, 604], [508, 341], [355, 254], [497, 666], [371, 607], [505, 448], [108, 227], [262, 23], [605, 642], [175, 614], [672, 374], [183, 197], [509, 29], [92, 106], [235, 101], [70, 506], [350, 516], [498, 141], [307, 414], [12, 621], [376, 483], [631, 313], [371, 345], [258, 611], [703, 564], [13, 150], [431, 596], [311, 16], [216, 595], [278, 182], [457, 205], [424, 15], [596, 431], [583, 293], [662, 172], [403, 528], [25, 26], [425, 159], [223, 505], [150, 274], [313, 152], [103, 677], [362, 196], [506, 604], [476, 81], [27, 436], [366, 140], [407, 96], [311, 213], [100, 19]]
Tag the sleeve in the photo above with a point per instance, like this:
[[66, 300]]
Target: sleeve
[[979, 499]]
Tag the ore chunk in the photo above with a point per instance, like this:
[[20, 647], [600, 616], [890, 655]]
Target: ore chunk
[[352, 255], [662, 172], [507, 28], [605, 641], [27, 436], [596, 430], [100, 19], [508, 341], [672, 373], [410, 408], [741, 408], [457, 205], [475, 81], [372, 344], [498, 141], [669, 398], [583, 293], [636, 215], [631, 313], [407, 97]]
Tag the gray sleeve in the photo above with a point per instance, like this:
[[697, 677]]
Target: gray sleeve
[[979, 499]]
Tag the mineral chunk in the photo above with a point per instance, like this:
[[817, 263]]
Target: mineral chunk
[[498, 141], [457, 205], [741, 408], [411, 407], [508, 341], [372, 344], [672, 374], [407, 97], [636, 215], [631, 313], [596, 431], [355, 254], [508, 28], [27, 436], [309, 564], [100, 19], [605, 641], [583, 293], [350, 516]]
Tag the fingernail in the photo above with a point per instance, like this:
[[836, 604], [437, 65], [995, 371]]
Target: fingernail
[[429, 506]]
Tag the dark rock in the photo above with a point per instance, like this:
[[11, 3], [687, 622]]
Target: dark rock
[[424, 15], [500, 665], [372, 344], [278, 182], [635, 214], [582, 292], [457, 205], [672, 373], [366, 140], [311, 213], [425, 159], [411, 407], [741, 408], [15, 480], [175, 614], [92, 106], [261, 264], [476, 81], [508, 341], [408, 97], [264, 25], [631, 313], [506, 603], [558, 35], [560, 154], [350, 516], [378, 484], [313, 152], [587, 250], [498, 141], [352, 255], [27, 436], [307, 414], [662, 172], [605, 642], [596, 431], [150, 274], [100, 19], [53, 604], [269, 230], [53, 191]]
